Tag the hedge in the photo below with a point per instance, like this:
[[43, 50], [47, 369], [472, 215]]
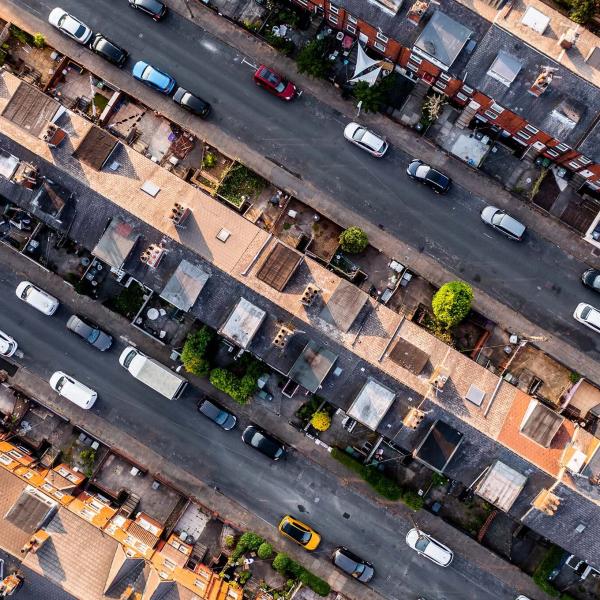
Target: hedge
[[285, 566], [383, 485]]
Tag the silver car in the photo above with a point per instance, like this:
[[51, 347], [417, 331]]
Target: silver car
[[364, 138], [429, 547], [92, 334], [501, 221]]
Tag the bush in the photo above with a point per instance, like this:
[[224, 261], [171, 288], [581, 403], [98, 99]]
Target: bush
[[241, 183], [265, 551], [321, 421], [371, 96], [311, 59], [39, 41], [193, 355], [286, 47], [229, 541], [241, 389], [209, 160], [452, 303], [284, 565], [582, 11], [21, 35], [353, 240], [281, 563], [244, 576]]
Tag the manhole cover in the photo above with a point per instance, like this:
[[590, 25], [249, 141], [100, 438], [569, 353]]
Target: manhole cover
[[346, 515]]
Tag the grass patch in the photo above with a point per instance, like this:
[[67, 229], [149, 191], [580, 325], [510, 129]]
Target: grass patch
[[381, 483], [100, 102], [543, 570], [240, 184]]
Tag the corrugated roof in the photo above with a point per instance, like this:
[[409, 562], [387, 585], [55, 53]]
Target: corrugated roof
[[541, 423], [30, 109], [371, 404], [116, 243], [96, 147], [344, 305], [279, 266], [501, 485]]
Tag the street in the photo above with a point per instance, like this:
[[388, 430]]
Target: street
[[535, 278], [268, 489]]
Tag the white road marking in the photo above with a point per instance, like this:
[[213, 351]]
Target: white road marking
[[246, 62]]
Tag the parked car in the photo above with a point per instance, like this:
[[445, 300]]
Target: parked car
[[69, 25], [156, 9], [191, 102], [501, 221], [429, 547], [352, 565], [152, 77], [36, 297], [588, 315], [591, 278], [263, 442], [91, 333], [299, 532], [8, 346], [73, 390], [365, 139], [217, 414], [274, 83], [436, 180], [108, 50]]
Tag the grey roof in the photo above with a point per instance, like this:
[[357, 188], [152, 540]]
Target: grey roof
[[32, 510], [439, 446], [344, 305], [243, 323], [501, 485], [312, 366], [410, 357], [8, 164], [30, 109], [541, 423], [123, 570], [184, 286], [565, 110], [442, 39], [505, 67], [371, 404], [116, 243]]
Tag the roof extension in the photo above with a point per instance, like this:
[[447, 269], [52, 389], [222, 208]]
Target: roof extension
[[31, 109], [279, 266], [243, 323], [501, 485], [96, 148], [371, 404], [344, 305], [116, 243], [312, 366], [410, 357], [184, 286], [438, 446]]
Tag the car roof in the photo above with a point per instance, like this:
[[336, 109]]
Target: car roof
[[209, 409], [266, 444], [437, 552], [593, 316], [105, 45], [78, 325], [512, 225], [346, 560], [153, 5], [372, 140], [437, 178]]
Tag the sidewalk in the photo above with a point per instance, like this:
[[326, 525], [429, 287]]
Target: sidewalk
[[427, 267], [228, 509]]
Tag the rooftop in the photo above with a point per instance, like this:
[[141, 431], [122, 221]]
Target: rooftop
[[31, 511], [96, 148], [243, 323], [312, 366], [371, 404], [279, 266], [184, 286], [116, 243], [409, 356], [541, 423], [438, 446], [343, 306], [31, 109], [12, 537], [505, 70], [501, 485]]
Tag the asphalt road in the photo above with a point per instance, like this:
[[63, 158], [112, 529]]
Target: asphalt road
[[534, 278], [219, 458]]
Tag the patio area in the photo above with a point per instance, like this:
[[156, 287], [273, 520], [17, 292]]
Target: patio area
[[164, 322]]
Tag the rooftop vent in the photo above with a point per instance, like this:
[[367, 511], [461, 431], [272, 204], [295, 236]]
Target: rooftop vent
[[281, 336], [439, 377], [542, 82], [580, 527], [152, 255], [179, 214], [568, 39], [546, 502], [413, 418], [475, 395], [223, 235], [309, 294]]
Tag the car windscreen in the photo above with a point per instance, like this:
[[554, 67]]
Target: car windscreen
[[93, 335], [422, 543], [61, 383]]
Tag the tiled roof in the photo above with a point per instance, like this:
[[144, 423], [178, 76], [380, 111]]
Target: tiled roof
[[12, 539]]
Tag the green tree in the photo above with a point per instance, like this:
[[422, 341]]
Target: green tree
[[371, 96], [311, 59], [39, 41], [250, 541], [452, 303], [281, 562], [321, 421], [193, 355], [265, 551], [582, 11], [353, 240]]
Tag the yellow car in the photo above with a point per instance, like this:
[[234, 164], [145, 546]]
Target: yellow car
[[299, 532]]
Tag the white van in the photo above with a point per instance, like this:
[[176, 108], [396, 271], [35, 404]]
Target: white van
[[37, 298], [160, 378], [73, 390]]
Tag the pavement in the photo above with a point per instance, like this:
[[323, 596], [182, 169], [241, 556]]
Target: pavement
[[530, 288], [214, 467]]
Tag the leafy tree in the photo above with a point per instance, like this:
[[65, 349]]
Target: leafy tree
[[250, 541], [193, 355], [312, 61], [321, 421], [353, 240], [452, 303], [371, 96], [240, 389], [281, 562], [265, 551], [582, 11], [39, 41]]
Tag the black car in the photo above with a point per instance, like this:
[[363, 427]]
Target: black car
[[108, 50], [263, 442], [437, 181], [91, 333], [591, 278], [352, 565], [192, 103], [156, 9], [217, 414]]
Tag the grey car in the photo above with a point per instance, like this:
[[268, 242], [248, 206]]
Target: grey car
[[591, 279], [211, 410], [91, 333], [501, 221], [353, 565]]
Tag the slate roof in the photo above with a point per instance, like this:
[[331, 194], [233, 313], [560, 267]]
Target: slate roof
[[12, 538]]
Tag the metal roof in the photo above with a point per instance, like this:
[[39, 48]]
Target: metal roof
[[438, 446], [243, 323], [505, 68], [184, 286], [410, 357], [344, 305], [541, 423], [279, 266], [501, 485], [371, 404], [312, 366], [32, 510], [96, 147], [116, 243]]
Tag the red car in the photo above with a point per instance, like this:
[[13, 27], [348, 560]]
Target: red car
[[273, 82]]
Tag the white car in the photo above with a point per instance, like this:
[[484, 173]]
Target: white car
[[501, 221], [73, 390], [367, 140], [588, 315], [429, 547], [8, 346], [70, 26], [37, 298]]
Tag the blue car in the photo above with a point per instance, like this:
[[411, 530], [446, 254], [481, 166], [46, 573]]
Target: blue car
[[152, 77]]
